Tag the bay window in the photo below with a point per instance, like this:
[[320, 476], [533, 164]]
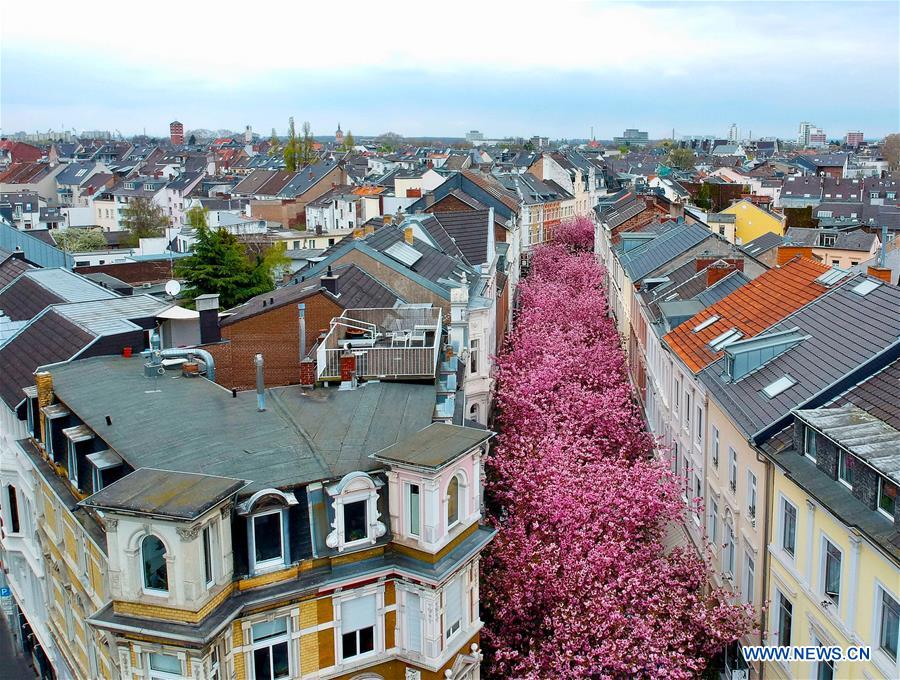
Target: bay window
[[271, 657]]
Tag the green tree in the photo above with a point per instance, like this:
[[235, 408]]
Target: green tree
[[306, 149], [219, 264], [74, 240], [291, 148], [142, 218], [274, 144], [196, 217], [623, 148], [681, 158], [704, 197], [891, 150], [192, 140], [349, 143]]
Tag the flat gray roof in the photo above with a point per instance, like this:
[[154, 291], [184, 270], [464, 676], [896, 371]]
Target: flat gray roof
[[163, 493], [435, 445], [194, 425]]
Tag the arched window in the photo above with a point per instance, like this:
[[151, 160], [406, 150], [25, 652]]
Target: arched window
[[453, 502], [153, 556], [474, 413]]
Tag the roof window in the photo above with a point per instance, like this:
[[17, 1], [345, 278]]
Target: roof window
[[774, 389], [725, 339], [866, 287], [707, 323]]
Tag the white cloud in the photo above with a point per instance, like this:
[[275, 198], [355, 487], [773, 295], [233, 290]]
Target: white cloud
[[222, 41]]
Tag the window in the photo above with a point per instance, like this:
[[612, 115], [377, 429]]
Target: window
[[687, 411], [728, 567], [832, 573], [72, 464], [845, 468], [732, 469], [677, 399], [473, 356], [699, 425], [785, 621], [889, 625], [208, 573], [413, 622], [751, 494], [268, 546], [96, 478], [453, 607], [164, 666], [749, 567], [453, 502], [214, 665], [14, 526], [357, 626], [713, 521], [788, 527], [153, 556], [355, 524], [824, 668], [887, 497], [271, 659], [413, 510], [715, 448], [809, 443]]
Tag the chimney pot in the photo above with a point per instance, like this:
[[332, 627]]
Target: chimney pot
[[388, 219], [408, 235]]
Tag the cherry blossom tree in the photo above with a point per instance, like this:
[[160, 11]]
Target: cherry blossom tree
[[578, 582]]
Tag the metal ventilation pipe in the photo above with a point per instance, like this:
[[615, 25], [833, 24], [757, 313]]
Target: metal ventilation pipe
[[176, 352], [260, 383]]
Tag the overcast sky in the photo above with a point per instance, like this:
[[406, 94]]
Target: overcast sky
[[435, 68]]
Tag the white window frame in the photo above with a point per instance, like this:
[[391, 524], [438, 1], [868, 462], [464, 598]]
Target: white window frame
[[209, 546], [846, 458], [474, 357], [451, 630], [715, 456], [809, 434], [776, 614], [880, 592], [378, 633], [751, 495], [823, 571], [732, 470], [269, 643], [349, 499], [713, 529], [699, 425], [407, 508], [143, 576], [729, 553], [461, 505], [164, 675], [782, 526], [749, 576], [274, 562]]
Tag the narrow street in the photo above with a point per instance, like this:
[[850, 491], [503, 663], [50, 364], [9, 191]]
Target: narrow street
[[13, 664]]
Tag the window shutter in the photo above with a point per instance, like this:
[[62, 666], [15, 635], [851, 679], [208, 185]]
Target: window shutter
[[413, 622], [357, 613], [239, 546], [453, 602]]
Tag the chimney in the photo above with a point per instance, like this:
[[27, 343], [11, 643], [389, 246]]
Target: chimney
[[208, 306], [307, 373], [44, 382], [388, 219], [330, 282], [19, 254], [358, 234], [883, 273], [348, 370], [369, 229], [408, 235], [260, 383]]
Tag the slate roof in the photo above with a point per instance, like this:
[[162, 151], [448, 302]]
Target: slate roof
[[307, 177], [10, 268], [356, 290], [469, 231], [302, 436], [652, 255], [753, 308], [25, 298], [434, 446], [164, 493], [797, 187], [844, 240], [878, 395], [845, 331], [722, 288], [45, 340], [762, 244]]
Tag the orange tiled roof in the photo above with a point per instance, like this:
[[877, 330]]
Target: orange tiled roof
[[367, 191], [751, 309]]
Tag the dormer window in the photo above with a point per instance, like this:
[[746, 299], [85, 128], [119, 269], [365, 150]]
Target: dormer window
[[887, 497], [267, 529], [356, 517], [153, 560]]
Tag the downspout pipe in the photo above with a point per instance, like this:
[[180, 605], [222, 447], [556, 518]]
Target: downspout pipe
[[177, 352], [260, 383]]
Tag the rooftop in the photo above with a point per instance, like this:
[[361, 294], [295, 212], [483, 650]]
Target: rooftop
[[434, 446]]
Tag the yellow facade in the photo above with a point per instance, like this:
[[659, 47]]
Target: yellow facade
[[799, 578], [752, 221]]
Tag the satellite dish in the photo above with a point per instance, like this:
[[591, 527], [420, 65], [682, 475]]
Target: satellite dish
[[173, 288]]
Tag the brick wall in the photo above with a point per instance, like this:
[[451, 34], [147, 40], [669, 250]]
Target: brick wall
[[276, 335], [449, 203]]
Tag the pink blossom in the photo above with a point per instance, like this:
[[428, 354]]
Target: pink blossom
[[578, 582]]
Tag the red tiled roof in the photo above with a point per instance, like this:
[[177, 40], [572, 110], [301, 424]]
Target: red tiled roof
[[751, 309]]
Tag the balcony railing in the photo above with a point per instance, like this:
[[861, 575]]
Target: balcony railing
[[386, 343]]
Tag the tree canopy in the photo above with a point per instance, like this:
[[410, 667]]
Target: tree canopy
[[683, 159], [75, 240], [891, 150], [219, 264], [142, 218]]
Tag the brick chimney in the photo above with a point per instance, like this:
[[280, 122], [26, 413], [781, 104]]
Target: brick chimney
[[18, 253], [208, 306], [388, 219], [348, 366], [883, 273], [307, 373], [408, 235]]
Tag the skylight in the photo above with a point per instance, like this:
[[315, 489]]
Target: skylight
[[832, 276], [779, 386], [403, 253], [725, 339], [706, 324], [866, 287]]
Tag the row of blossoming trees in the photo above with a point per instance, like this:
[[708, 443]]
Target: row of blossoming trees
[[578, 582]]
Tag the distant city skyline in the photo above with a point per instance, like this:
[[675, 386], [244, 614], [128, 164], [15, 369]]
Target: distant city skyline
[[696, 67]]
